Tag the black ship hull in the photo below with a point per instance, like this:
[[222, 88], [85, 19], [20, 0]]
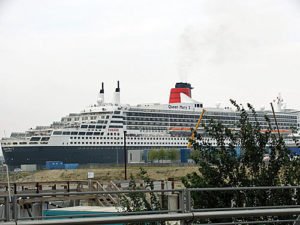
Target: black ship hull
[[83, 155], [39, 155]]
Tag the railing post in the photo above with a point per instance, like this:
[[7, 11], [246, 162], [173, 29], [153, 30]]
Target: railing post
[[162, 187], [68, 184], [7, 209], [37, 188], [188, 200], [15, 188], [185, 204], [181, 201], [15, 208]]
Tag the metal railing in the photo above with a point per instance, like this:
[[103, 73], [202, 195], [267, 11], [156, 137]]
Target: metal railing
[[185, 212]]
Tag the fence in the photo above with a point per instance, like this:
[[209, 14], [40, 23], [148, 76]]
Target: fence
[[177, 205]]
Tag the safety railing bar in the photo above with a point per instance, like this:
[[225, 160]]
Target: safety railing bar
[[243, 188], [95, 193], [250, 222], [244, 208], [99, 214], [167, 217]]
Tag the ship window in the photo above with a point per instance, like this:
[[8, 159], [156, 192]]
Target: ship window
[[84, 126], [91, 126], [15, 143], [45, 138], [81, 133], [98, 127], [74, 133], [71, 137], [89, 133], [66, 133], [57, 133], [71, 142], [96, 133], [35, 138], [23, 143]]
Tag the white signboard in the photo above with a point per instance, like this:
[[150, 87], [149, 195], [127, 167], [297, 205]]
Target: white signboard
[[91, 175]]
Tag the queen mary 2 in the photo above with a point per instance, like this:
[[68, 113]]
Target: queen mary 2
[[96, 135]]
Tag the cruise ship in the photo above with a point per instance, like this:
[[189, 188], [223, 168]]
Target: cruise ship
[[99, 133]]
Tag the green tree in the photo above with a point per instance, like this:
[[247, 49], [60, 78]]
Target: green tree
[[173, 154], [141, 201], [221, 166], [162, 154], [153, 155]]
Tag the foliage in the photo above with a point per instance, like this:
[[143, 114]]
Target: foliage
[[153, 155], [221, 165], [163, 154], [141, 201], [173, 154]]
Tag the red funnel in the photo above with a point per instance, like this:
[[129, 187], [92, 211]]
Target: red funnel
[[184, 88]]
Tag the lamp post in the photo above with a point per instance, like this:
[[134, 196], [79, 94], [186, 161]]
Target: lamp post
[[8, 182], [125, 156]]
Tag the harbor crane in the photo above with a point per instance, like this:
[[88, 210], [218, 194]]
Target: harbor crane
[[192, 138]]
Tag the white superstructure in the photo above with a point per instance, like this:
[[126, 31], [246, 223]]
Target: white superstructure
[[96, 134]]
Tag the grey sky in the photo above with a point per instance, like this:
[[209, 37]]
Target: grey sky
[[55, 53]]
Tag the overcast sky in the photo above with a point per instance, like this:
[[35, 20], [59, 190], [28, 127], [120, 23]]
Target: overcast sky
[[54, 54]]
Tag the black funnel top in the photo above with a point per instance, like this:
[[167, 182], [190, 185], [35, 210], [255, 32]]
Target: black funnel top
[[118, 88], [183, 85], [102, 89]]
